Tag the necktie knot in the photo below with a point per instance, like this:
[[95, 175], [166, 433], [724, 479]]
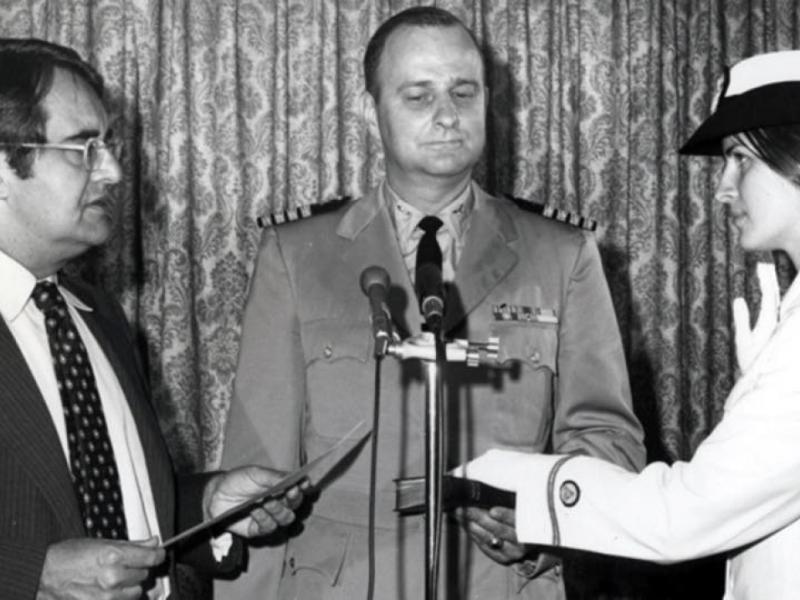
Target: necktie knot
[[430, 224], [47, 297]]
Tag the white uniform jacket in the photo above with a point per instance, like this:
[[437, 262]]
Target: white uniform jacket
[[740, 493]]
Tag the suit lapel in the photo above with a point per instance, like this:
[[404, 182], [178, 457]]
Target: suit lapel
[[27, 430], [486, 260], [113, 338]]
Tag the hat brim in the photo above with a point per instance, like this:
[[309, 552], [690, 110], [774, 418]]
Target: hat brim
[[765, 106]]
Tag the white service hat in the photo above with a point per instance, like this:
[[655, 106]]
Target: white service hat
[[760, 91]]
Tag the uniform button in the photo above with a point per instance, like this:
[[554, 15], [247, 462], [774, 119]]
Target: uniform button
[[328, 351], [569, 492], [291, 563], [536, 357], [526, 569]]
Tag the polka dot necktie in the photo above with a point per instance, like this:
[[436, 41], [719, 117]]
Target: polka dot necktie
[[91, 456]]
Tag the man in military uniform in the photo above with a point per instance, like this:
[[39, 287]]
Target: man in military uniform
[[305, 372]]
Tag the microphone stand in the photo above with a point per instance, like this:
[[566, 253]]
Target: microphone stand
[[434, 352], [435, 434], [431, 348]]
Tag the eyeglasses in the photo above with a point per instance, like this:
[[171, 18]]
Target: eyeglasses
[[90, 150]]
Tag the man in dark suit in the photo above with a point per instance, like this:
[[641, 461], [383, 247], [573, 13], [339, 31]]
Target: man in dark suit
[[305, 372], [86, 485]]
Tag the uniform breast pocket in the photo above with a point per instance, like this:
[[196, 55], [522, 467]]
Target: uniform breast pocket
[[523, 402], [314, 563], [531, 346], [339, 374]]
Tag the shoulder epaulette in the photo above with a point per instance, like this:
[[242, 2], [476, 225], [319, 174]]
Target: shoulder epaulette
[[557, 214], [301, 212]]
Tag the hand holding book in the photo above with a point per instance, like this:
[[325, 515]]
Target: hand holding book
[[456, 491]]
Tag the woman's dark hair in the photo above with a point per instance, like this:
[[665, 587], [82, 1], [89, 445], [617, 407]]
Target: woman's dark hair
[[778, 147], [27, 70]]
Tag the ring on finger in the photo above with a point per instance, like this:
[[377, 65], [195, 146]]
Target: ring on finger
[[495, 543]]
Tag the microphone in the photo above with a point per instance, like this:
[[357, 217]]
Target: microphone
[[375, 284], [430, 291]]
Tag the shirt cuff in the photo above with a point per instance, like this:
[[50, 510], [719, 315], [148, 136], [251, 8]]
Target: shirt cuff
[[221, 546]]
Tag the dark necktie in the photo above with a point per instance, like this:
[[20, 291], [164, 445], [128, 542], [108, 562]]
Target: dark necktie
[[91, 456], [428, 250], [428, 273]]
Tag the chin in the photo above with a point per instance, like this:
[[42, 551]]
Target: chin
[[449, 168], [98, 233], [746, 246], [751, 245]]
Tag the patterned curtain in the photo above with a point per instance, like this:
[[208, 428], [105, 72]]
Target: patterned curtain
[[232, 110]]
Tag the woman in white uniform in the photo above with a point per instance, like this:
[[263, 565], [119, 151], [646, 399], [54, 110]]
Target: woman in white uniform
[[740, 492]]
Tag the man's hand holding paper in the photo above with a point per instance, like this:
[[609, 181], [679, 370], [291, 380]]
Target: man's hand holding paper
[[264, 499], [228, 490]]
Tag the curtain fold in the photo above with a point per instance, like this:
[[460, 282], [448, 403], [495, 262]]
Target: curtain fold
[[232, 110]]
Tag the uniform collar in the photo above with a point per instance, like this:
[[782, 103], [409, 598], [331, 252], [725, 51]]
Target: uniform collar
[[405, 217]]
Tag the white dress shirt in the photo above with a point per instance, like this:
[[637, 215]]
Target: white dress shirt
[[26, 323]]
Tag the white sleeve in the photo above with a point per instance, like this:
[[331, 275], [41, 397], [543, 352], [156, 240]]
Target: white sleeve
[[740, 485]]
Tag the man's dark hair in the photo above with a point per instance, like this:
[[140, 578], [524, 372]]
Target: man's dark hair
[[418, 16], [27, 70]]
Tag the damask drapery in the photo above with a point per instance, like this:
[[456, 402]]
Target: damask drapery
[[231, 110]]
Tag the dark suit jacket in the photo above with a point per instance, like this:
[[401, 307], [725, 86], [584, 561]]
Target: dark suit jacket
[[37, 500], [305, 377]]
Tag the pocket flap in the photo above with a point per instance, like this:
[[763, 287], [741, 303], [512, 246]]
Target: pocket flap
[[333, 339], [534, 345]]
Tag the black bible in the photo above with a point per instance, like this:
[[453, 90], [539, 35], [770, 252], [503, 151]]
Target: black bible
[[456, 491]]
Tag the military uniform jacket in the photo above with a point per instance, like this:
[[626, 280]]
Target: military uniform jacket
[[306, 375], [740, 493]]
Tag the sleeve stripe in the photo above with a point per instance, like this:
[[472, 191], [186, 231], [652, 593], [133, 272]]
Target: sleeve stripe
[[551, 493]]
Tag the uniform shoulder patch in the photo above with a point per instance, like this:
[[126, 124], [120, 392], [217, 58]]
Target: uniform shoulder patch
[[557, 214], [301, 212]]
